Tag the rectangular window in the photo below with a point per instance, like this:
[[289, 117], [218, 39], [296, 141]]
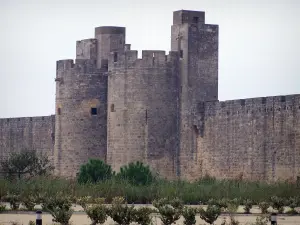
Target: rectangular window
[[94, 111], [195, 19], [181, 54], [115, 56], [58, 111]]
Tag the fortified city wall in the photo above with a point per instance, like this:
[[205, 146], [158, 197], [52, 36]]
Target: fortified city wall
[[32, 133], [254, 139]]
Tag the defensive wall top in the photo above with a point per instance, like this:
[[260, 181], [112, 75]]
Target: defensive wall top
[[250, 105]]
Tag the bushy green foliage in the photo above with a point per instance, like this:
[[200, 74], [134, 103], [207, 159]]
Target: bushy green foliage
[[277, 203], [189, 215], [261, 220], [120, 212], [59, 206], [170, 211], [136, 173], [293, 202], [94, 171], [248, 203], [13, 199], [189, 192], [27, 163], [29, 201], [97, 212], [143, 216], [221, 203], [2, 208], [264, 207], [31, 222], [211, 214]]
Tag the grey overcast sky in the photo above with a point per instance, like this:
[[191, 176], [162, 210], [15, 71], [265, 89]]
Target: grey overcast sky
[[259, 43]]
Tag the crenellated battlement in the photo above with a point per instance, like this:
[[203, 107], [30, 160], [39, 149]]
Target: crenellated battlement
[[250, 105], [26, 120], [150, 59], [81, 66]]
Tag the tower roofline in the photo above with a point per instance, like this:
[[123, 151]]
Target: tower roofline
[[110, 30]]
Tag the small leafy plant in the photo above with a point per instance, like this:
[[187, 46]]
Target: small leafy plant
[[264, 207], [170, 211], [211, 214], [277, 203], [189, 215], [143, 215], [248, 204], [59, 206], [29, 201], [13, 199], [97, 212], [120, 212], [293, 202]]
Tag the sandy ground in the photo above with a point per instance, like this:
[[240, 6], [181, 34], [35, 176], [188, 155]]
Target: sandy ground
[[81, 219]]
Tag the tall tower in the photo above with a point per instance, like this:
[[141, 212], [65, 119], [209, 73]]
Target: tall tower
[[81, 101], [197, 44]]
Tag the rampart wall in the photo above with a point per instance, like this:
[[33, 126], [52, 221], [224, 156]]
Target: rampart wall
[[255, 139], [27, 133], [142, 104]]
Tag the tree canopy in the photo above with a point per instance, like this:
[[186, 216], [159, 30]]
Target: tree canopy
[[27, 163], [93, 171]]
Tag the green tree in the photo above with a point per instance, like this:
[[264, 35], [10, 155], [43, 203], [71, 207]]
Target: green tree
[[27, 163], [136, 173], [93, 171]]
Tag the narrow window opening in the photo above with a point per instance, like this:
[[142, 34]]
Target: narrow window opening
[[58, 111], [282, 98], [94, 111], [181, 54], [263, 101], [195, 19], [196, 130], [115, 56], [112, 107], [243, 102], [146, 116]]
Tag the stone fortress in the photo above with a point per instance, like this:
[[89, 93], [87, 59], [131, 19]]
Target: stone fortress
[[161, 109]]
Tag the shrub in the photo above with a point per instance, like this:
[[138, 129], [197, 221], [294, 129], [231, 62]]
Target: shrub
[[13, 199], [293, 202], [29, 201], [59, 206], [211, 214], [93, 171], [261, 220], [2, 208], [277, 203], [248, 203], [221, 203], [120, 212], [264, 207], [189, 215], [136, 173], [143, 215], [97, 212], [170, 211]]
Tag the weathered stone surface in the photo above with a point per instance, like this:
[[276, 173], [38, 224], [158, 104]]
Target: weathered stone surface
[[161, 109]]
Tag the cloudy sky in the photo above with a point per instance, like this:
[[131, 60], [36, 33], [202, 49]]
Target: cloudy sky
[[259, 43]]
